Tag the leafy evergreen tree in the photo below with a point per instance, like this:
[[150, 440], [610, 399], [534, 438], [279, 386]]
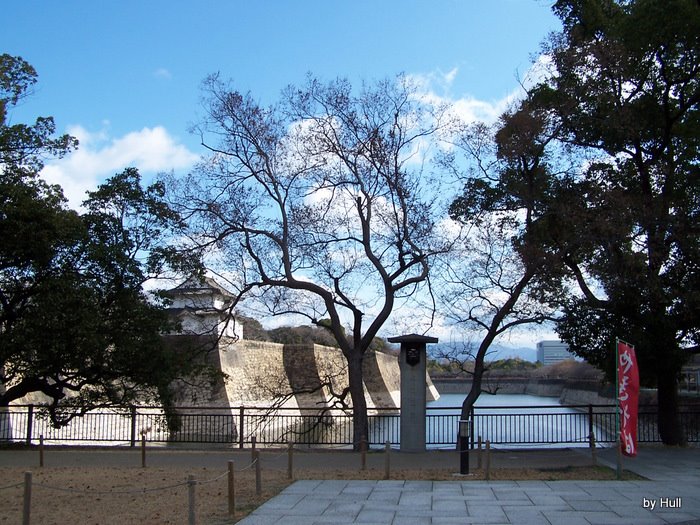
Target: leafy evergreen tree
[[625, 96], [75, 323]]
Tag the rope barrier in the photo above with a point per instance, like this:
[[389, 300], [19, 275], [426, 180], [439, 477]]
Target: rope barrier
[[134, 491], [106, 492], [277, 456], [213, 479], [252, 464], [11, 486], [190, 483]]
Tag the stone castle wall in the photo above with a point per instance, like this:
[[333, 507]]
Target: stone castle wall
[[303, 377], [260, 373]]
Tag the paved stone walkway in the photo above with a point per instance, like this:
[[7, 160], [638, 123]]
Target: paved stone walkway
[[672, 495]]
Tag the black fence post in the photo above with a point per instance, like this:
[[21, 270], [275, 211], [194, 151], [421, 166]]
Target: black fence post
[[133, 426], [471, 427], [30, 423], [464, 438], [600, 419], [241, 433]]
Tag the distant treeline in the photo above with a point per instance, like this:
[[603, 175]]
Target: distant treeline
[[296, 335], [516, 367]]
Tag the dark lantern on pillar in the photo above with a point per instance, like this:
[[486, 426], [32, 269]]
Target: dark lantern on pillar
[[412, 365]]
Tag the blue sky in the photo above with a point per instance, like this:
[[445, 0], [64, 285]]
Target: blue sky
[[124, 76]]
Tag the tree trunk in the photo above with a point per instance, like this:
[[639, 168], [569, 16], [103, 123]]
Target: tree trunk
[[670, 428], [477, 378], [667, 365], [470, 400], [360, 424]]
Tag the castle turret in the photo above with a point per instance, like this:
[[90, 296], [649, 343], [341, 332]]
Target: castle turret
[[204, 307]]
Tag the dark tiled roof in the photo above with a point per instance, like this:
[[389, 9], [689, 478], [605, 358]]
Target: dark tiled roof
[[197, 285]]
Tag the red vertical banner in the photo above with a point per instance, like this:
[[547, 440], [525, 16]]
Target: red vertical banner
[[628, 397]]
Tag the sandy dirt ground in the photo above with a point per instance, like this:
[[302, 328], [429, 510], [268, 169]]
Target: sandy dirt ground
[[158, 494]]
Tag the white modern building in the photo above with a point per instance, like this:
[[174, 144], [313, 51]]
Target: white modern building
[[550, 352]]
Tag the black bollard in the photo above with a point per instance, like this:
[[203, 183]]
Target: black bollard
[[464, 447]]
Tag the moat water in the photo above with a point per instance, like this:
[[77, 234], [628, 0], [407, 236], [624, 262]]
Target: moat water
[[506, 420]]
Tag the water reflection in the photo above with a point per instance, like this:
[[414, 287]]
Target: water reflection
[[546, 424]]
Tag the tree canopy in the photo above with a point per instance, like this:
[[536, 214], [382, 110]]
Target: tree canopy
[[75, 323], [24, 146], [317, 204], [625, 96], [584, 199], [504, 274], [594, 179]]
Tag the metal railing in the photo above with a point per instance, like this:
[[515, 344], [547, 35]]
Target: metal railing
[[502, 425]]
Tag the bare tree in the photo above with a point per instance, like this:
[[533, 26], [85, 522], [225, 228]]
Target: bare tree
[[320, 205], [503, 275]]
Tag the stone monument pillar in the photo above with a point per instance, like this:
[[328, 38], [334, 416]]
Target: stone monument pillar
[[412, 366]]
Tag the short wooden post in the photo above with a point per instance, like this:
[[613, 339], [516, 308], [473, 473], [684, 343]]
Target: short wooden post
[[619, 458], [191, 503], [143, 451], [253, 442], [258, 473], [387, 460], [478, 455], [27, 509], [231, 490], [290, 460], [363, 454], [41, 450], [488, 460]]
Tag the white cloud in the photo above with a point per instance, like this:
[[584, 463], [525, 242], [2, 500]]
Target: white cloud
[[541, 70], [435, 80], [436, 87], [163, 73], [451, 75], [99, 156]]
